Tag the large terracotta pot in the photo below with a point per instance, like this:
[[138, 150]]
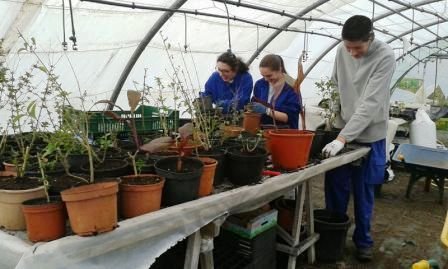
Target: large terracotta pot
[[92, 209], [11, 215], [44, 221], [290, 148], [137, 197], [207, 177]]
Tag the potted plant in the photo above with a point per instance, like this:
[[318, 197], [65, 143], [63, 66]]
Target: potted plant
[[251, 121], [25, 114], [182, 174], [326, 132], [45, 217], [140, 193], [246, 161], [281, 141]]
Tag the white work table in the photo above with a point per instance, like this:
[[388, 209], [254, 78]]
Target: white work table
[[137, 242]]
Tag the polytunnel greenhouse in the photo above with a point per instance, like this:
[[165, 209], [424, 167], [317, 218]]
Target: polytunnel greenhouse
[[223, 134]]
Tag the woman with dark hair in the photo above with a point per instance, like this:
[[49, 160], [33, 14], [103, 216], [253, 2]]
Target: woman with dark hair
[[231, 85], [273, 89]]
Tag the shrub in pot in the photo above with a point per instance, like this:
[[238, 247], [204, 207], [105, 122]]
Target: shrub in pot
[[140, 193], [246, 162]]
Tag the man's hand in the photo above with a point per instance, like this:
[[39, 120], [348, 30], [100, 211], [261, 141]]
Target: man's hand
[[333, 148]]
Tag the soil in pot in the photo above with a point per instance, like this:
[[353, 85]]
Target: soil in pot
[[109, 168], [180, 186], [140, 194], [45, 221], [14, 191], [219, 156], [63, 182], [245, 167], [92, 209], [290, 148], [207, 177]]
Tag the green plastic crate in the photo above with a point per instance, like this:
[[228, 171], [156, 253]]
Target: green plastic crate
[[146, 120], [442, 124]]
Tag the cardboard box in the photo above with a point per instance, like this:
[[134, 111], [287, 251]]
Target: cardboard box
[[250, 224]]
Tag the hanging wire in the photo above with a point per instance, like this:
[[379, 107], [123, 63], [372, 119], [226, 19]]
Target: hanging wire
[[413, 20], [64, 42], [185, 44], [437, 66], [258, 39], [373, 11], [228, 26], [73, 37], [305, 45]]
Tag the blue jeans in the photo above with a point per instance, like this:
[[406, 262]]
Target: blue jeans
[[361, 181]]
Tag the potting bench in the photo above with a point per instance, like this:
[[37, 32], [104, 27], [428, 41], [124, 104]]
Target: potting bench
[[140, 240]]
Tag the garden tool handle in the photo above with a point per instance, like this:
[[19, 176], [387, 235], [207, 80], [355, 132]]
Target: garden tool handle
[[270, 173], [266, 104]]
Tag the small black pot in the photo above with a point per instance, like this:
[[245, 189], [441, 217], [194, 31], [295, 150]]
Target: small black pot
[[182, 186], [75, 161], [245, 168], [111, 168]]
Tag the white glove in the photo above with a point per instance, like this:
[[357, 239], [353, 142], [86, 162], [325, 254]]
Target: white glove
[[331, 149]]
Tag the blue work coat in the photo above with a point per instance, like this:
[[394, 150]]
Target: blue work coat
[[288, 102], [229, 95]]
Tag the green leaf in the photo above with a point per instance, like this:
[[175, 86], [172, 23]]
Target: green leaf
[[33, 40], [17, 118], [43, 69], [20, 50], [31, 109]]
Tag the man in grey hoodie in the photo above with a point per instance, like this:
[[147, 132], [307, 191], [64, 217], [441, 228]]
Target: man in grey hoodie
[[362, 71]]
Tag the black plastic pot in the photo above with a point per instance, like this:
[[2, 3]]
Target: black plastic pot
[[220, 168], [111, 168], [244, 168], [332, 228], [75, 162], [182, 186], [318, 143]]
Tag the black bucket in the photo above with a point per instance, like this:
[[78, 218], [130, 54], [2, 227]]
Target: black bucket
[[179, 187], [245, 168], [332, 228]]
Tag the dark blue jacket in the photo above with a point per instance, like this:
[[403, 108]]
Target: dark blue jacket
[[224, 94], [288, 102]]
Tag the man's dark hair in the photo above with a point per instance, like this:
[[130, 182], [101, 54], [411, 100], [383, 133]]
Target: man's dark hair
[[357, 28], [235, 63]]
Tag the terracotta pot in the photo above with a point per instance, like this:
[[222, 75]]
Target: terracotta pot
[[11, 215], [44, 221], [290, 148], [187, 149], [9, 167], [92, 209], [251, 122], [207, 177], [232, 131], [138, 199], [8, 174], [267, 140]]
